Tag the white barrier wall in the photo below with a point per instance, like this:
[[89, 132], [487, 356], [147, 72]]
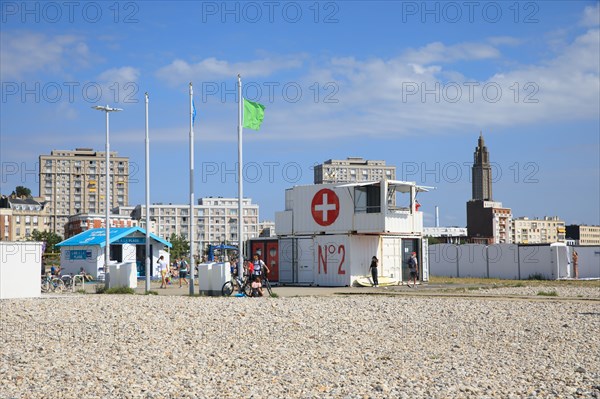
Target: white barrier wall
[[20, 269], [588, 262], [503, 261], [535, 260], [443, 260], [510, 261], [472, 259]]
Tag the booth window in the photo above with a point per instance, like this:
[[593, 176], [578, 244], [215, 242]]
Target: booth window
[[367, 199]]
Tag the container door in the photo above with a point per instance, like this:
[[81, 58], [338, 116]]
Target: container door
[[409, 245], [305, 261], [286, 260], [391, 257], [425, 260], [271, 259], [258, 247]]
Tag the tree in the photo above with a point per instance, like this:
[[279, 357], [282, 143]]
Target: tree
[[50, 238], [181, 247], [21, 191]]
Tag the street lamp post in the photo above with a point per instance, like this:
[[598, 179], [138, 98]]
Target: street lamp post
[[107, 110]]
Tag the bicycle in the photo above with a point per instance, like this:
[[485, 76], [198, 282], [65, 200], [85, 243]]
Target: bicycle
[[267, 284], [54, 284], [236, 283]]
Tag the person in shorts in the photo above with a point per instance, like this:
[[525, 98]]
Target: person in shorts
[[183, 271], [163, 270]]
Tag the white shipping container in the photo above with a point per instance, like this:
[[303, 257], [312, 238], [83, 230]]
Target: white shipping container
[[341, 259]]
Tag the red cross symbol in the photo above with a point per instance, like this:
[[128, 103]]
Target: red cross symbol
[[325, 207]]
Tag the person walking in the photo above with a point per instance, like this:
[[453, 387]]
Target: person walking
[[413, 266], [183, 270], [162, 269], [373, 269]]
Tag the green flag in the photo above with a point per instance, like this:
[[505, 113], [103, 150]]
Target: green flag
[[254, 113]]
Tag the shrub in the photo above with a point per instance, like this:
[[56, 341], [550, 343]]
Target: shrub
[[536, 276], [547, 293]]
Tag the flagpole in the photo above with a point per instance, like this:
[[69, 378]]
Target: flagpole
[[240, 185], [149, 258], [192, 264]]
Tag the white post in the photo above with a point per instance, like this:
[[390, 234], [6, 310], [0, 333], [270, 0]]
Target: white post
[[107, 201], [192, 264], [107, 109], [240, 185], [148, 259]]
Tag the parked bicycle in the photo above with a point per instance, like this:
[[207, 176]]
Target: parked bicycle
[[241, 285], [52, 284]]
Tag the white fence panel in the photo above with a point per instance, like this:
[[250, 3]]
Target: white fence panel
[[503, 261], [443, 260], [472, 260], [588, 262], [536, 260]]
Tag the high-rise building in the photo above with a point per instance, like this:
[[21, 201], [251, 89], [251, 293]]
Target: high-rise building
[[74, 182], [216, 220], [481, 172], [352, 169], [488, 222]]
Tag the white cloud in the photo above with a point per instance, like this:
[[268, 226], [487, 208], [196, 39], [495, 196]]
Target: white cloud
[[180, 71], [438, 52], [119, 85], [591, 16], [22, 53]]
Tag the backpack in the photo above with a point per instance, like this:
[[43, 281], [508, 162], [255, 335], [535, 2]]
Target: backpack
[[411, 263]]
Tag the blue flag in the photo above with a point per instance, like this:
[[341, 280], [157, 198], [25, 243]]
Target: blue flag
[[193, 112]]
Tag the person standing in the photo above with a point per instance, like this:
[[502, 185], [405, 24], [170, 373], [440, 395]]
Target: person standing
[[413, 266], [183, 270], [373, 269], [162, 269], [259, 267], [575, 265]]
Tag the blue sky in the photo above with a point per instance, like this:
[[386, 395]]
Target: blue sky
[[412, 83]]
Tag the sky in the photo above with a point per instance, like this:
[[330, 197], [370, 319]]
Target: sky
[[411, 83]]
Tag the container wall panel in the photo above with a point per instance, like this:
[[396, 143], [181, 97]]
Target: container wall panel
[[588, 262], [472, 260], [332, 256], [443, 260], [537, 260], [503, 261]]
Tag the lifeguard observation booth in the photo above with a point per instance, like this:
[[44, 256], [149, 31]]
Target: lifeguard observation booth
[[328, 233]]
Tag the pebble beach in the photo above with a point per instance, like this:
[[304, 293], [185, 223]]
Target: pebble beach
[[356, 346]]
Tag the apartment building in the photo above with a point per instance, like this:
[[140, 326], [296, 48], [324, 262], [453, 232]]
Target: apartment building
[[73, 182], [19, 217], [583, 234], [352, 169], [216, 220], [538, 231]]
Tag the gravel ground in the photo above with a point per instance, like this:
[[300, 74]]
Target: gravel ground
[[114, 346], [564, 292]]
